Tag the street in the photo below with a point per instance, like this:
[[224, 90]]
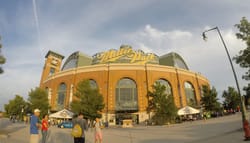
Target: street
[[224, 129]]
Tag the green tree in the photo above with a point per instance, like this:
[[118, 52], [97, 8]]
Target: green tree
[[16, 107], [209, 99], [232, 98], [89, 100], [2, 59], [161, 104], [38, 98], [243, 59]]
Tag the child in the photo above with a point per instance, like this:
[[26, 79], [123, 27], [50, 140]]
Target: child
[[98, 131], [45, 127]]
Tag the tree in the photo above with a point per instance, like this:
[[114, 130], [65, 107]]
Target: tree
[[209, 99], [38, 98], [2, 59], [89, 100], [16, 107], [243, 59], [161, 104], [232, 98]]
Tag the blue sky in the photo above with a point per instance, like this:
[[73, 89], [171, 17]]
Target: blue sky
[[32, 27]]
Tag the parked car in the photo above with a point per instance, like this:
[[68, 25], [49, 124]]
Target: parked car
[[65, 125]]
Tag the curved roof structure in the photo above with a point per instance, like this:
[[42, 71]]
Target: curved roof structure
[[173, 59], [77, 59], [124, 55]]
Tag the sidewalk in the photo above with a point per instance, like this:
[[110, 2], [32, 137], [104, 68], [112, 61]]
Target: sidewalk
[[235, 136], [226, 129], [19, 133], [15, 133]]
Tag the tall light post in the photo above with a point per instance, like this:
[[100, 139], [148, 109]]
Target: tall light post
[[243, 110]]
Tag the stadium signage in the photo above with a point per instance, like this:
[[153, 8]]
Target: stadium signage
[[124, 55]]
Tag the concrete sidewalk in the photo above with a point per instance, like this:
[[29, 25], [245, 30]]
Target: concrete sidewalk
[[225, 129], [21, 135], [15, 133]]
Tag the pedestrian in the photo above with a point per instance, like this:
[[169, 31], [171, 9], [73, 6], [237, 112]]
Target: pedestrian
[[45, 126], [34, 127], [98, 131], [205, 116], [84, 127]]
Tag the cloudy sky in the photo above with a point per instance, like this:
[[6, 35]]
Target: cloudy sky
[[32, 27]]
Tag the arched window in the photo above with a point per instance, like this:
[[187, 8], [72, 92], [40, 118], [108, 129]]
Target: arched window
[[126, 95], [164, 82], [61, 94], [93, 84], [190, 94], [48, 93]]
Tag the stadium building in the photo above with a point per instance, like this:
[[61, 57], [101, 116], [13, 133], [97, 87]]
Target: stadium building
[[123, 76]]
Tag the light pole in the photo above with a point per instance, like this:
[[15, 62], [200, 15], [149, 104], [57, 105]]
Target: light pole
[[243, 110]]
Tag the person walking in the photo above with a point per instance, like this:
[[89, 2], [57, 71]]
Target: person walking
[[98, 131], [84, 127], [45, 126], [34, 126]]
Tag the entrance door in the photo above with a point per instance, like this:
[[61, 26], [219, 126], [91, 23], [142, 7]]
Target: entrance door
[[126, 116]]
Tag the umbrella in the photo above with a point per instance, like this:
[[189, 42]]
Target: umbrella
[[187, 110]]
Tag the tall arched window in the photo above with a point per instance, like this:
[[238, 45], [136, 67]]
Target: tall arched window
[[61, 94], [164, 82], [93, 84], [48, 93], [126, 95], [190, 94]]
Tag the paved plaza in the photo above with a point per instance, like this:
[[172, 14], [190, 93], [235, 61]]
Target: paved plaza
[[224, 129]]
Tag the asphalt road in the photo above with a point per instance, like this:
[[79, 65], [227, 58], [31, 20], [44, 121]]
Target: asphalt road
[[224, 129]]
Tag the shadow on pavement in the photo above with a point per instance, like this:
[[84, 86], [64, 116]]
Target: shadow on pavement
[[9, 129], [4, 122]]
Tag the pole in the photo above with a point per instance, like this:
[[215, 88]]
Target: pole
[[243, 110], [235, 77]]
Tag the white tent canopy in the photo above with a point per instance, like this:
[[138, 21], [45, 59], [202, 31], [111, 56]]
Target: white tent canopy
[[187, 110], [63, 114]]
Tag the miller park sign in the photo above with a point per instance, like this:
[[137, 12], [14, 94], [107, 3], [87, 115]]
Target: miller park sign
[[125, 55]]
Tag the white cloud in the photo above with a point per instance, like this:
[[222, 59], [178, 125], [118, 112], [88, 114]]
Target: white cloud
[[18, 81], [22, 71], [155, 34], [208, 58], [143, 47], [158, 41]]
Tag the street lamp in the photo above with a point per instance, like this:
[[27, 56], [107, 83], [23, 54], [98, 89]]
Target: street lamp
[[243, 110]]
